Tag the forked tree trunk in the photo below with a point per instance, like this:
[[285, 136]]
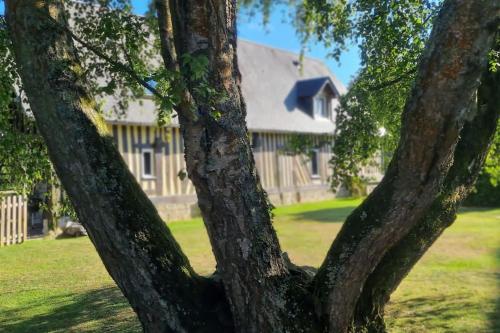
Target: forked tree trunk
[[469, 156], [265, 292], [221, 166], [433, 118]]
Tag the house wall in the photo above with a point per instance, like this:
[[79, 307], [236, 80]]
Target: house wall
[[286, 178]]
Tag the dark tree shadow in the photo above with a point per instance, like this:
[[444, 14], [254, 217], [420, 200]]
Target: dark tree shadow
[[102, 310], [327, 215], [474, 209], [339, 214], [418, 311], [495, 316]]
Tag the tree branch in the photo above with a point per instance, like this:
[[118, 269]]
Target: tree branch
[[168, 51], [114, 63], [389, 83], [434, 115], [133, 242], [470, 154], [221, 166]]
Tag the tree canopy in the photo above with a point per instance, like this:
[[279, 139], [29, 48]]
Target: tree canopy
[[117, 48], [391, 36], [23, 154], [447, 124]]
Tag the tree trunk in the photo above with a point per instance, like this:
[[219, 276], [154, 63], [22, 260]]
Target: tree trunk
[[220, 164], [469, 156], [434, 115], [262, 291], [135, 245]]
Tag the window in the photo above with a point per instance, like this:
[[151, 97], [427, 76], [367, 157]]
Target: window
[[315, 163], [255, 140], [148, 163], [320, 107]]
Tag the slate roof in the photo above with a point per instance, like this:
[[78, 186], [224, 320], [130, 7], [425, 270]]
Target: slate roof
[[311, 87], [272, 83]]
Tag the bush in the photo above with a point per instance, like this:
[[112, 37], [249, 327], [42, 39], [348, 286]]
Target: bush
[[485, 194], [356, 186]]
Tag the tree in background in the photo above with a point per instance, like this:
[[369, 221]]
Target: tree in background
[[391, 36], [23, 155], [448, 123]]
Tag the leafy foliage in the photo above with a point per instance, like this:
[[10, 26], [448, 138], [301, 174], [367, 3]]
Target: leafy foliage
[[492, 164], [391, 36], [487, 188], [119, 51], [485, 193], [23, 156]]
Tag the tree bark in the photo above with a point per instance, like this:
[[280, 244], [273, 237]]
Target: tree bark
[[260, 290], [469, 156], [433, 118], [133, 242], [221, 166]]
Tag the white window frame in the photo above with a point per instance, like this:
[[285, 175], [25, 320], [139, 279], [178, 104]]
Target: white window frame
[[316, 152], [143, 163], [320, 114]]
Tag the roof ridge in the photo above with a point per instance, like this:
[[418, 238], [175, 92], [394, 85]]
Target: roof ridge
[[267, 46]]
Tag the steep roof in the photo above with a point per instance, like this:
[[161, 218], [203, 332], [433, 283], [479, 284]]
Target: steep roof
[[312, 87], [272, 83]]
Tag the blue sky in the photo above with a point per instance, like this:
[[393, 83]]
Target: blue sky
[[281, 34]]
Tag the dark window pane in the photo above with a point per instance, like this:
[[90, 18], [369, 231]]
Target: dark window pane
[[147, 164], [314, 162], [255, 140]]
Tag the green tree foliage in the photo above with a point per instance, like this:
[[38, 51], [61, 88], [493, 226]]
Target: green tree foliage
[[121, 54], [391, 36], [116, 48], [120, 51], [23, 156], [492, 164]]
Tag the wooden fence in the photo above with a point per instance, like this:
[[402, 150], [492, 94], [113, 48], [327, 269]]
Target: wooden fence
[[13, 219]]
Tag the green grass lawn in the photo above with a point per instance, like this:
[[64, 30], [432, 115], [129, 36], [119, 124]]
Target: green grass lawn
[[62, 286]]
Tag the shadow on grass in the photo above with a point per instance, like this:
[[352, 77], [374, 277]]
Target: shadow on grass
[[436, 314], [102, 310], [339, 214], [327, 215], [495, 316], [475, 209]]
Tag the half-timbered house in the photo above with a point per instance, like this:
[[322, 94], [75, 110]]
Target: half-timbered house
[[284, 97]]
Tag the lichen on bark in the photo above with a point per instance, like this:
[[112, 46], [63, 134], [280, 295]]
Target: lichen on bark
[[255, 288]]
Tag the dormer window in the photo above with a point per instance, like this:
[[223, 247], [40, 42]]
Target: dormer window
[[316, 97], [320, 107]]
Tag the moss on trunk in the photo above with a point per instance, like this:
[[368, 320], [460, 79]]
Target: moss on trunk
[[133, 242]]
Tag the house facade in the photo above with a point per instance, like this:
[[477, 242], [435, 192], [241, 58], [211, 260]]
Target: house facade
[[284, 98]]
